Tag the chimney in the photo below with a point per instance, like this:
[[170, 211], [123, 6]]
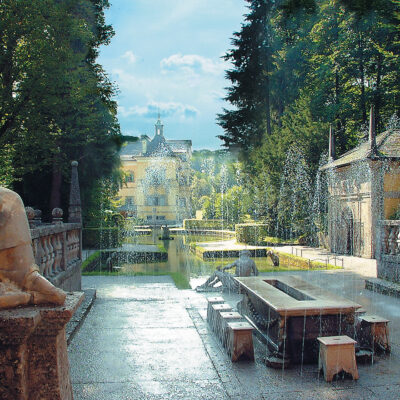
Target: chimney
[[372, 133], [331, 143]]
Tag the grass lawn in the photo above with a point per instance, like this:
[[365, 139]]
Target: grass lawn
[[264, 264]]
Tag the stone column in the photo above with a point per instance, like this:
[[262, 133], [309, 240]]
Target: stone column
[[74, 209], [33, 352]]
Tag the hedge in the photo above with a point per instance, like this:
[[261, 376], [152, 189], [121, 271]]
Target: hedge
[[92, 263], [300, 262], [189, 224], [251, 233], [101, 238]]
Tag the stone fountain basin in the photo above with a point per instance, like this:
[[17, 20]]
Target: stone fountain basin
[[290, 314], [290, 296]]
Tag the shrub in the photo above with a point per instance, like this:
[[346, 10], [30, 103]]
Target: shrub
[[101, 238], [251, 233], [203, 224], [92, 263], [300, 262]]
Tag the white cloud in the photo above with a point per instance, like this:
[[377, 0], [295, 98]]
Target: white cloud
[[192, 63], [129, 56], [184, 111]]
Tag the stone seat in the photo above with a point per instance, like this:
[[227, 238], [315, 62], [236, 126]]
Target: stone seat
[[376, 329], [225, 318], [215, 315], [240, 341], [337, 354], [211, 301]]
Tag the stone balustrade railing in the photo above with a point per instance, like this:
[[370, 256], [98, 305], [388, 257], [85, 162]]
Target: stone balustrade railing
[[388, 250], [390, 237], [57, 247]]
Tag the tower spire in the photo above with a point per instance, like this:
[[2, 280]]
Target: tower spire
[[159, 126]]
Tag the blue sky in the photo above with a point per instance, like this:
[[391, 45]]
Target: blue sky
[[166, 54]]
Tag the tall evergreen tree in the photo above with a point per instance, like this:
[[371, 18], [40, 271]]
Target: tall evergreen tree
[[250, 92]]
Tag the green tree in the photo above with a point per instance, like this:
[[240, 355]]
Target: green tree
[[249, 92], [56, 102]]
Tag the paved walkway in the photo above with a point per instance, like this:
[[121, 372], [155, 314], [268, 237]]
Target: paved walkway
[[363, 266], [144, 339]]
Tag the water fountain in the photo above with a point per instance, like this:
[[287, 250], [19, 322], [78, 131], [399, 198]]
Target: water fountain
[[293, 218]]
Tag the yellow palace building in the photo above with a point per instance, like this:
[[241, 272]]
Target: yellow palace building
[[157, 179]]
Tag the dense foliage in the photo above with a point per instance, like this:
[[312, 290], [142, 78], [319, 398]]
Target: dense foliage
[[297, 67], [217, 188], [56, 102]]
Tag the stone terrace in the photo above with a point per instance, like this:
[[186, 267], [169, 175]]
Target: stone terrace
[[144, 339]]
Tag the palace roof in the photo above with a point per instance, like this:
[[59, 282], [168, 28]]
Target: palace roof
[[387, 147], [132, 149], [158, 147]]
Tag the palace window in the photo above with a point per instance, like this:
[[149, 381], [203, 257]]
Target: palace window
[[130, 177], [156, 201], [129, 201]]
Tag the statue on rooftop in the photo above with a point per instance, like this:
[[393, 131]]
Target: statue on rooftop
[[245, 266], [20, 280]]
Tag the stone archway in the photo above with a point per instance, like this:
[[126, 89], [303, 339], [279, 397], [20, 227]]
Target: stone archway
[[347, 231]]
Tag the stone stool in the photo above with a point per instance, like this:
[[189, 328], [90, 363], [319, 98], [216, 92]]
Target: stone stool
[[225, 318], [336, 354], [215, 315], [240, 340], [211, 301], [377, 329]]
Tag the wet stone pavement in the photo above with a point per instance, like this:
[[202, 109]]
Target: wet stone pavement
[[145, 339]]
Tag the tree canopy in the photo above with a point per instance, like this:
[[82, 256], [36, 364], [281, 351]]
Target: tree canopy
[[299, 66], [56, 101]]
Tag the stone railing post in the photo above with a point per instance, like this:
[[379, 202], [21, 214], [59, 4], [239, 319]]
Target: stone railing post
[[38, 217], [57, 215], [30, 214], [388, 259]]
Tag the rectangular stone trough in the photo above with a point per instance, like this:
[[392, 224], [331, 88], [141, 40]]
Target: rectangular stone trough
[[290, 314]]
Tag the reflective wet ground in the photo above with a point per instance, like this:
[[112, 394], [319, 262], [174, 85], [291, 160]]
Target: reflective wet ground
[[145, 339], [182, 264]]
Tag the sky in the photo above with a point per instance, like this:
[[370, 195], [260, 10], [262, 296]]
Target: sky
[[166, 55]]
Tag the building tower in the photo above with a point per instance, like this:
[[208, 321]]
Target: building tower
[[159, 127]]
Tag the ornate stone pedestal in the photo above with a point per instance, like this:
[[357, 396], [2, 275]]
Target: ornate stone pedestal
[[33, 351]]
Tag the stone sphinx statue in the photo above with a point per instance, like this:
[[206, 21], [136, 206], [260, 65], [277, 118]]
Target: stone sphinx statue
[[20, 280]]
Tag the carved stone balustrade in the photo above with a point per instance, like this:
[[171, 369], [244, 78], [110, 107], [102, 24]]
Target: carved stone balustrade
[[57, 246], [58, 251], [388, 253]]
